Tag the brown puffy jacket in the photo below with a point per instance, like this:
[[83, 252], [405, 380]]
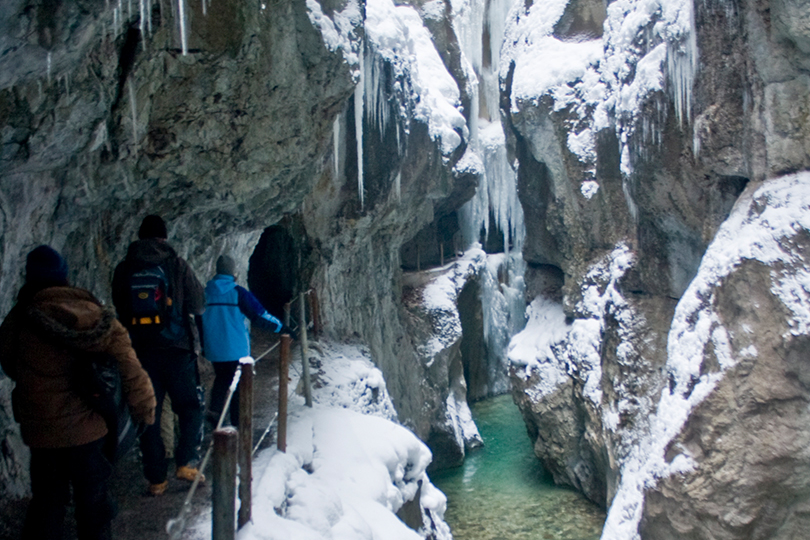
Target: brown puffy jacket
[[39, 341]]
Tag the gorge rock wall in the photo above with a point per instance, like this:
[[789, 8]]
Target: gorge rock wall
[[108, 115], [649, 150]]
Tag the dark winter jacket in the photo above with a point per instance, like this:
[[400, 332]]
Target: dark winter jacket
[[225, 334], [40, 339], [185, 290]]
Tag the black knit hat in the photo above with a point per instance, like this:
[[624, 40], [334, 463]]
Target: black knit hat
[[45, 266], [152, 226], [226, 266]]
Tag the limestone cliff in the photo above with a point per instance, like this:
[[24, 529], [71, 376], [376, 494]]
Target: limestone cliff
[[670, 382], [228, 118]]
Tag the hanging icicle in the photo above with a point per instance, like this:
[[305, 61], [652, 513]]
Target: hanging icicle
[[142, 21], [181, 10], [359, 92]]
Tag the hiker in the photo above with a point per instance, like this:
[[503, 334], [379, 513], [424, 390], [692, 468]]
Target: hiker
[[156, 293], [226, 336], [50, 328]]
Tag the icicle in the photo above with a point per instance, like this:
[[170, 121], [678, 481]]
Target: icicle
[[134, 109], [358, 124], [49, 68], [181, 10], [681, 70], [142, 24], [336, 145], [149, 16], [398, 186], [205, 11], [129, 10]]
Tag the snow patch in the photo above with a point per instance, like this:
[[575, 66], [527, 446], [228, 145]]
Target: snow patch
[[348, 467]]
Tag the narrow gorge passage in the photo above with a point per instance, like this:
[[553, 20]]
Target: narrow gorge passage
[[503, 492]]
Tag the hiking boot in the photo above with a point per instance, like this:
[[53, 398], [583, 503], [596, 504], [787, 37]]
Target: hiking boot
[[156, 490], [185, 472]]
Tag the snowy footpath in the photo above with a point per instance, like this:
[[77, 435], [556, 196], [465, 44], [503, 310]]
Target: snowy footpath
[[349, 466]]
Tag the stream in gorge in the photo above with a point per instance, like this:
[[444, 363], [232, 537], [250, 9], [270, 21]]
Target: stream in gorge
[[502, 492]]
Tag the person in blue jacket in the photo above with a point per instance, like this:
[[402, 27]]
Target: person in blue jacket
[[226, 336]]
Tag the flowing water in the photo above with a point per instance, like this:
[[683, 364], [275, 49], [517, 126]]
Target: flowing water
[[502, 492]]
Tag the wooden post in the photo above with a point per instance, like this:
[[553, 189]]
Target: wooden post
[[304, 355], [441, 254], [283, 375], [223, 495], [245, 440], [315, 312]]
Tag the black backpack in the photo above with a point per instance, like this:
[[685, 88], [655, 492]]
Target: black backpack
[[150, 303], [98, 382]]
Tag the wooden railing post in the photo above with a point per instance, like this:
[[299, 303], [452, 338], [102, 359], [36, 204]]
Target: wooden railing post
[[304, 353], [245, 440], [315, 312], [223, 496], [283, 374]]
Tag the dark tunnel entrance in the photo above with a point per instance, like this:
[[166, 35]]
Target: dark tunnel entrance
[[273, 273]]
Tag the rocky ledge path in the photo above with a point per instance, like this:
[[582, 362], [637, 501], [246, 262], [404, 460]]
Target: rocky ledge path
[[141, 516]]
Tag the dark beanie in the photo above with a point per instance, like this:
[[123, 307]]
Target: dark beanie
[[226, 266], [152, 227], [44, 265]]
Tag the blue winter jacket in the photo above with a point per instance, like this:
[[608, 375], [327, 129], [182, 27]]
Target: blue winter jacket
[[226, 336]]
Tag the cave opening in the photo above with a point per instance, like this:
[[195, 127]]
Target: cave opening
[[473, 345], [433, 246], [274, 269]]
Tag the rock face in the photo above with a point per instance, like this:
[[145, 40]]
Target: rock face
[[107, 116], [629, 184]]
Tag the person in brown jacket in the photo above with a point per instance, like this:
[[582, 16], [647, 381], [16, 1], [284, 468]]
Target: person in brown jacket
[[49, 328]]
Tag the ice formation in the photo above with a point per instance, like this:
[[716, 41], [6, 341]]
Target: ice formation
[[604, 82]]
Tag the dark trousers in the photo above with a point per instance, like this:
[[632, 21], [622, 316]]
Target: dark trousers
[[173, 371], [53, 472], [224, 372]]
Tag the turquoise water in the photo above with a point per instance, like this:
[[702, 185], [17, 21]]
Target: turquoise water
[[502, 492]]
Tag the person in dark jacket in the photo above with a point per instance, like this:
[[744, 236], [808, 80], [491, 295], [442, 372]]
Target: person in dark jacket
[[167, 350], [226, 336], [49, 328]]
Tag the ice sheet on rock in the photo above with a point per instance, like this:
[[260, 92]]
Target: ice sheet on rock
[[398, 34], [533, 347], [440, 298], [338, 33], [603, 82]]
